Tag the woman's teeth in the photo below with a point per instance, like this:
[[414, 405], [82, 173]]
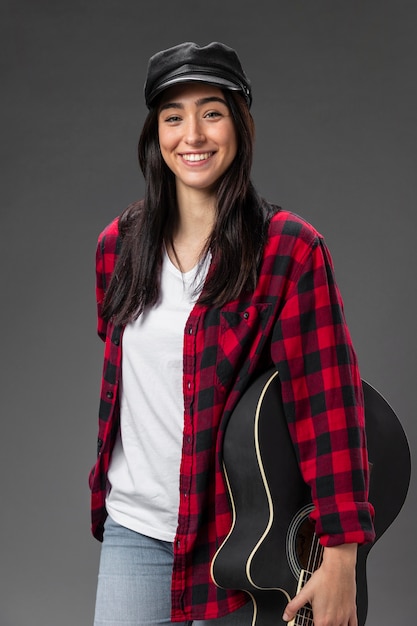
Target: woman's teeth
[[197, 157]]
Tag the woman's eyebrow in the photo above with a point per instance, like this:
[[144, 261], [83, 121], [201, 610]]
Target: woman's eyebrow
[[199, 102], [171, 105], [209, 99]]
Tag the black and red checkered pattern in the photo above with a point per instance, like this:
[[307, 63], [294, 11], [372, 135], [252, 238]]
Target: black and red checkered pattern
[[293, 319]]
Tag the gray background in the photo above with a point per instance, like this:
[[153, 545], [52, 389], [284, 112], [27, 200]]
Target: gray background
[[335, 104]]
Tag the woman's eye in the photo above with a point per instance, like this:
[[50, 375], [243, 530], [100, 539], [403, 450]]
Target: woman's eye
[[213, 114], [173, 118]]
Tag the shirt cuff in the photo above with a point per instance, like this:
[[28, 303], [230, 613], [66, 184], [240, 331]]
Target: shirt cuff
[[350, 522]]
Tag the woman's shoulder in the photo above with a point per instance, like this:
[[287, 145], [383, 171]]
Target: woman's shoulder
[[291, 235], [112, 229], [117, 226], [285, 222]]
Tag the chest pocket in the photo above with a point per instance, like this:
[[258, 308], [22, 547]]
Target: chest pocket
[[243, 332]]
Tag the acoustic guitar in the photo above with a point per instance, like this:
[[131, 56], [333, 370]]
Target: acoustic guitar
[[271, 549]]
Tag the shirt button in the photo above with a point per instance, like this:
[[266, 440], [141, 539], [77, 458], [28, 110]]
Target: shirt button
[[189, 385], [246, 315], [109, 395]]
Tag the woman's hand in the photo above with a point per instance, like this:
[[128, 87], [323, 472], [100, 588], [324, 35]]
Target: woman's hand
[[331, 590]]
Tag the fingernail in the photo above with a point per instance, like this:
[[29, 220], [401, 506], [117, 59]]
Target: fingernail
[[286, 617]]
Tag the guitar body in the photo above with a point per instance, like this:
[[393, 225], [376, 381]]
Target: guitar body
[[271, 539]]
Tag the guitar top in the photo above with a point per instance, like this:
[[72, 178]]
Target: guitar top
[[271, 548]]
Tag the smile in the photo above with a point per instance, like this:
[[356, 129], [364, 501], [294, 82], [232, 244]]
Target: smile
[[193, 157]]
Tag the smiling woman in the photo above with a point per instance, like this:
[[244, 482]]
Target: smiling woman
[[198, 142], [201, 287], [220, 211]]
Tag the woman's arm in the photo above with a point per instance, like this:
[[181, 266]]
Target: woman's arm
[[331, 590], [323, 401]]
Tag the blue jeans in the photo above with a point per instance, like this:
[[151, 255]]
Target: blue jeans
[[134, 583]]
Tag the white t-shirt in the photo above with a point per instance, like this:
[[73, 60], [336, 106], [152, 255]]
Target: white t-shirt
[[143, 492]]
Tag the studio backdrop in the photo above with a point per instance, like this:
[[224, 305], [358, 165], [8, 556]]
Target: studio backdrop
[[335, 101]]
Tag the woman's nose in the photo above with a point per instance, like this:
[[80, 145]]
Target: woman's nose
[[194, 133]]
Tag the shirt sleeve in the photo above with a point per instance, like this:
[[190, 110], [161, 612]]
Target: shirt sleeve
[[100, 290], [323, 401], [106, 256]]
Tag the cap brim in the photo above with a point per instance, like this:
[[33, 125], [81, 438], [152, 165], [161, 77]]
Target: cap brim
[[189, 78]]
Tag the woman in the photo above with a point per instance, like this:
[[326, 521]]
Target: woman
[[200, 288]]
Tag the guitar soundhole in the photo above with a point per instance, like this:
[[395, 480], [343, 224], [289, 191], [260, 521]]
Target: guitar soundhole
[[300, 539], [303, 542]]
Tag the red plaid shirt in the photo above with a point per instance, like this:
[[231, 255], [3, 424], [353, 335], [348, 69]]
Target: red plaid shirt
[[294, 319]]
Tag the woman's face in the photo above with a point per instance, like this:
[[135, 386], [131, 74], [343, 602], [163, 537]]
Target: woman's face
[[197, 135]]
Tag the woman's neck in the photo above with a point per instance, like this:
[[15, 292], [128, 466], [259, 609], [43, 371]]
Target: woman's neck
[[194, 224], [195, 206]]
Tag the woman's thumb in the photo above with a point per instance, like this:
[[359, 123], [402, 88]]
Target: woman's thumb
[[295, 605]]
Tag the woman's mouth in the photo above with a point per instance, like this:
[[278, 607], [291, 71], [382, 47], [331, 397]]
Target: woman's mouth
[[193, 157]]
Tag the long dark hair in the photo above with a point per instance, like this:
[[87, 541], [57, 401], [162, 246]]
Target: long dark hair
[[236, 242]]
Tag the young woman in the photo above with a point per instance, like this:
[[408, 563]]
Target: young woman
[[202, 286]]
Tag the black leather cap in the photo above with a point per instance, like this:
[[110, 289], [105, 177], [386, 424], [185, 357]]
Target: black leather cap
[[215, 64]]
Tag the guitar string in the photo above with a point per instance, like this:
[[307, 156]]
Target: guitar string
[[303, 614], [317, 552], [314, 560]]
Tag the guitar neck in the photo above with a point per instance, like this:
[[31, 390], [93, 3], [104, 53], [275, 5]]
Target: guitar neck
[[304, 616]]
